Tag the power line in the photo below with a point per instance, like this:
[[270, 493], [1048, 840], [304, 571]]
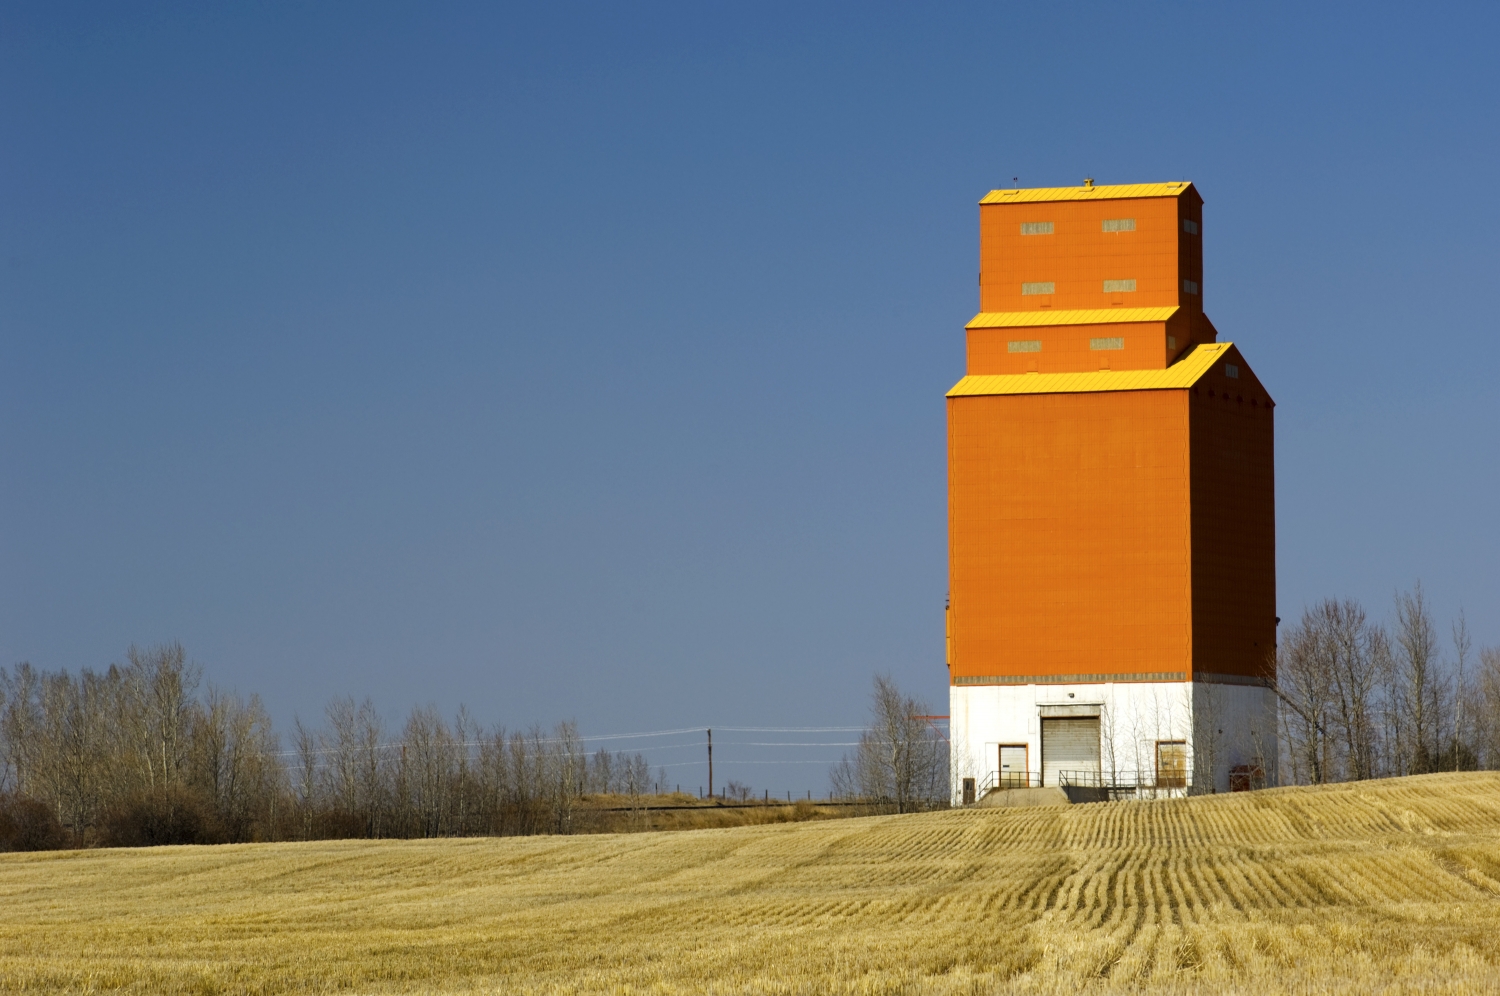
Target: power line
[[396, 745]]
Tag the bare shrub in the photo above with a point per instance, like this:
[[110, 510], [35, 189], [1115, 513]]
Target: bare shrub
[[172, 815], [29, 825]]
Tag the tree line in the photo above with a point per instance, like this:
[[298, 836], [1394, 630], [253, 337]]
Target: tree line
[[138, 754], [1366, 700], [141, 754]]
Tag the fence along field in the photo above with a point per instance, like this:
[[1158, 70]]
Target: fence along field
[[1361, 887]]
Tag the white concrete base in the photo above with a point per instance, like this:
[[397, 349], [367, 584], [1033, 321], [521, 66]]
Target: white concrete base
[[1225, 726]]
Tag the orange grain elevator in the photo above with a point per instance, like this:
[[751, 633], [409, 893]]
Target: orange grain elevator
[[1111, 509]]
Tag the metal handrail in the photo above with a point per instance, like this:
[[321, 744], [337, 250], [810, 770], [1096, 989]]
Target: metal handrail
[[1128, 780], [1120, 784], [1008, 780]]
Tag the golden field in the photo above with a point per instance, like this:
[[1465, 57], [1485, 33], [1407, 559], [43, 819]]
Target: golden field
[[1387, 886]]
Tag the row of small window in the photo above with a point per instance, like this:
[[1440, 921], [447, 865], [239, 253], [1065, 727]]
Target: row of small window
[[1107, 225], [1035, 345], [1110, 287]]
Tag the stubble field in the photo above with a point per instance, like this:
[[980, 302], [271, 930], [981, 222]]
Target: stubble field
[[1378, 887]]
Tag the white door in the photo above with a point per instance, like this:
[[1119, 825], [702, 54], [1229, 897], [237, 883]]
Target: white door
[[1013, 766], [1070, 746]]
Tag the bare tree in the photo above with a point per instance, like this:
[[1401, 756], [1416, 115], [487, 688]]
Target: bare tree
[[158, 692], [1417, 685], [1487, 721], [565, 767], [20, 728], [1305, 686], [1207, 711], [1461, 749], [1352, 651], [901, 761], [427, 771], [356, 764], [235, 763], [307, 754]]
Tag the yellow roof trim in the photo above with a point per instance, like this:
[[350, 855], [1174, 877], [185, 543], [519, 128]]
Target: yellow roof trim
[[1182, 374], [1082, 316], [1119, 191]]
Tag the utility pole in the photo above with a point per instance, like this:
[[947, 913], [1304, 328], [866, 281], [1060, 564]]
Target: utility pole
[[710, 764]]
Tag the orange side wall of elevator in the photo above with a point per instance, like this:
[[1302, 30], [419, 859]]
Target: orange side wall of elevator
[[1234, 524], [1070, 533], [1128, 532]]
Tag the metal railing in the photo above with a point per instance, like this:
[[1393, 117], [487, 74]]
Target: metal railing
[[1129, 784], [1008, 780]]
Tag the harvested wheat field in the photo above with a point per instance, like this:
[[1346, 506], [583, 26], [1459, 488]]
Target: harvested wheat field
[[1384, 886]]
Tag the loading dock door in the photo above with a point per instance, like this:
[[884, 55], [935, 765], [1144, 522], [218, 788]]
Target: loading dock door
[[1070, 745]]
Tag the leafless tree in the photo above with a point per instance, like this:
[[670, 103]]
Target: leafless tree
[[307, 753], [901, 761], [425, 773], [1417, 685], [1487, 696], [1208, 739], [234, 762], [1305, 686], [1354, 654], [1461, 749], [158, 687]]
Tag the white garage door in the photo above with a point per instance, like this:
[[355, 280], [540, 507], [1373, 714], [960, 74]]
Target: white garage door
[[1070, 745]]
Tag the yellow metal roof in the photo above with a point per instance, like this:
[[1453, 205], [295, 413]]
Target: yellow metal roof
[[1184, 373], [1108, 193], [1083, 316]]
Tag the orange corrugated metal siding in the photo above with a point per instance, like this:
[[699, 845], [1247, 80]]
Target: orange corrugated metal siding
[[1069, 533], [1144, 347], [1234, 523], [1060, 347]]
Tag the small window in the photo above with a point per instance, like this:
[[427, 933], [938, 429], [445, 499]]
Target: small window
[[1190, 226], [1119, 224], [1190, 286], [1119, 286], [1046, 287], [1230, 370], [1116, 342], [1024, 346], [1036, 228], [1171, 342]]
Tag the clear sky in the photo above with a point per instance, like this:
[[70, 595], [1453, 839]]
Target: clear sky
[[589, 362]]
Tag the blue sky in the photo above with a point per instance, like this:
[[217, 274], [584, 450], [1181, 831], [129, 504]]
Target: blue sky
[[573, 361]]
